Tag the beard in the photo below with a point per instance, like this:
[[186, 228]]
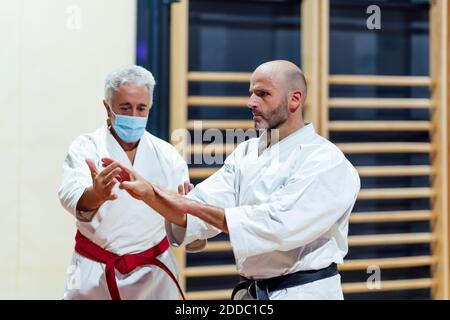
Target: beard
[[273, 119]]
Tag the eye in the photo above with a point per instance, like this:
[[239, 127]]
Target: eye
[[262, 94]]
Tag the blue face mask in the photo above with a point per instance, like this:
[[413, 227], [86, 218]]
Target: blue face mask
[[129, 129]]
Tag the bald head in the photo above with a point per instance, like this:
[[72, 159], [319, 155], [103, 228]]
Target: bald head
[[284, 74], [277, 95]]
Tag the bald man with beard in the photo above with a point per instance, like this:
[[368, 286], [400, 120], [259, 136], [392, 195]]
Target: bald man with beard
[[284, 198]]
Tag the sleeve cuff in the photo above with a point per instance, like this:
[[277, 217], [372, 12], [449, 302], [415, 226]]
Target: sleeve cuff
[[175, 233], [236, 222], [196, 245], [82, 216], [85, 216], [69, 197], [179, 236]]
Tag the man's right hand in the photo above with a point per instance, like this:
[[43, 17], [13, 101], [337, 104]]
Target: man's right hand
[[185, 188], [131, 181], [103, 182], [101, 190]]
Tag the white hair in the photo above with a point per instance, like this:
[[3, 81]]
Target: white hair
[[130, 74]]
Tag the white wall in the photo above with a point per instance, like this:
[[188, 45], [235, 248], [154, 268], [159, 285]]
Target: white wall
[[51, 86]]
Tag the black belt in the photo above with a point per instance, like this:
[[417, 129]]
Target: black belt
[[259, 289]]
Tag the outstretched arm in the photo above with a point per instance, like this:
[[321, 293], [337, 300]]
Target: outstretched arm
[[182, 206], [172, 206]]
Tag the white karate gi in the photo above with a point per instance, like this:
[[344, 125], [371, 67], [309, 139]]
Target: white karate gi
[[122, 226], [287, 209]]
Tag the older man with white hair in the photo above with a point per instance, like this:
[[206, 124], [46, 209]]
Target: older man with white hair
[[121, 246]]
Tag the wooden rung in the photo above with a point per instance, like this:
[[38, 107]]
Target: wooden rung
[[201, 173], [207, 101], [390, 239], [385, 147], [365, 240], [391, 216], [349, 148], [217, 246], [393, 103], [366, 171], [390, 285], [219, 124], [209, 271], [209, 295], [388, 263], [394, 171], [341, 103], [196, 76], [349, 265], [401, 81], [395, 193], [356, 287], [379, 126], [209, 148]]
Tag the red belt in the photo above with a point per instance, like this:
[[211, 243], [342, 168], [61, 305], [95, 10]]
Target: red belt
[[124, 264]]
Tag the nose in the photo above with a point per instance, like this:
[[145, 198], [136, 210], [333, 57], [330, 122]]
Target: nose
[[251, 103], [134, 112]]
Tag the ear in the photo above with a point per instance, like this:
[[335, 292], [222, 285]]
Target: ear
[[108, 112], [105, 104], [295, 100]]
